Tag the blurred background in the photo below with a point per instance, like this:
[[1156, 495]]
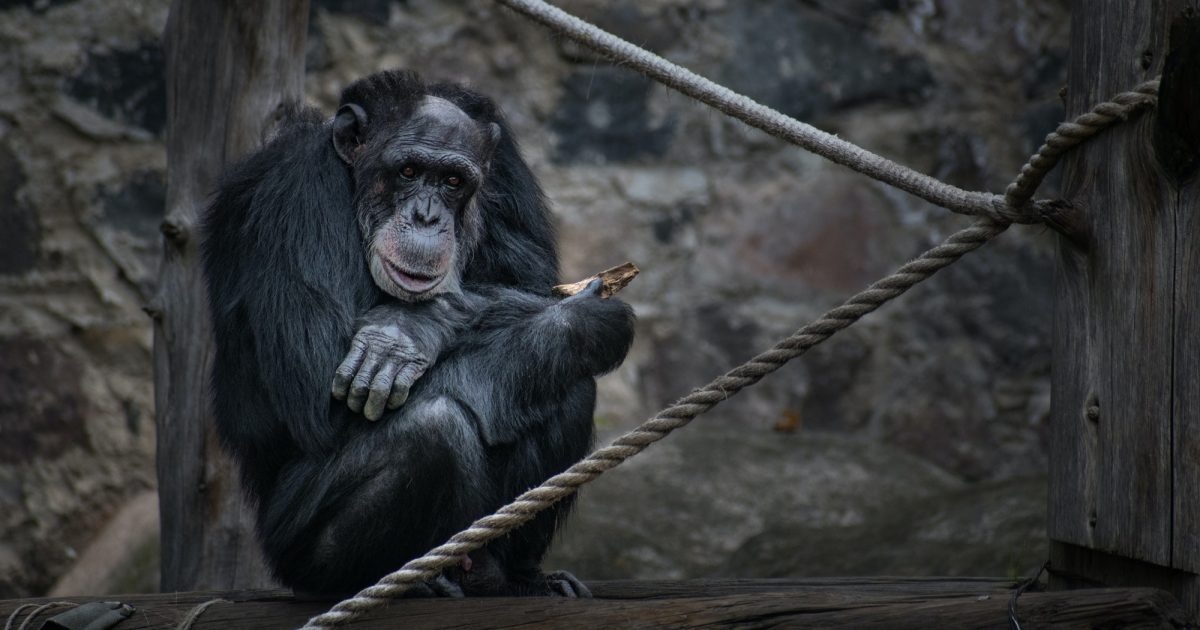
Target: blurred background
[[911, 444]]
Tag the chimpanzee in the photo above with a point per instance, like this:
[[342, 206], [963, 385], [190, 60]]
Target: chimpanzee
[[405, 251]]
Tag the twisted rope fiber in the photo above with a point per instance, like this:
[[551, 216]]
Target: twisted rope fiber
[[524, 507], [192, 615], [1069, 134], [774, 122], [37, 610]]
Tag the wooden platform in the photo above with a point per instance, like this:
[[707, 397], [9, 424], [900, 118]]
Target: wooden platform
[[824, 602]]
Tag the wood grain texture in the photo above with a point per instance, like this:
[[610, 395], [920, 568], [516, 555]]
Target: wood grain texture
[[1111, 483], [835, 603], [612, 280], [1078, 567], [1125, 413], [230, 66], [1178, 140]]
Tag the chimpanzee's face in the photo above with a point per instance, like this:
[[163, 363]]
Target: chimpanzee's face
[[416, 182]]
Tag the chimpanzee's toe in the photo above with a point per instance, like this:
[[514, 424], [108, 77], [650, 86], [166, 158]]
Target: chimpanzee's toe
[[441, 586], [567, 585]]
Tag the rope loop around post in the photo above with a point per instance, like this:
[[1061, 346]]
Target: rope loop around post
[[1069, 134]]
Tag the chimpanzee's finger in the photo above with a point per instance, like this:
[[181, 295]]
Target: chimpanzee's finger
[[361, 385], [349, 367], [399, 394], [381, 389], [404, 381]]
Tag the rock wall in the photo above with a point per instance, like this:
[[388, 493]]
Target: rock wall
[[81, 195], [741, 239]]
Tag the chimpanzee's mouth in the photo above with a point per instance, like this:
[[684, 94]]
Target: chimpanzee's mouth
[[411, 281]]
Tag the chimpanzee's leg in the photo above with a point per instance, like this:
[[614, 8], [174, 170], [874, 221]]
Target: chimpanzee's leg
[[395, 489]]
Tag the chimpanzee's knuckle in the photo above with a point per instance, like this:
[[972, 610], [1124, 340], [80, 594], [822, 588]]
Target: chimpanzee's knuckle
[[404, 380], [398, 398]]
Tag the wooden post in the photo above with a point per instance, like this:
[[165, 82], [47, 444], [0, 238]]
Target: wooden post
[[230, 66], [1125, 438]]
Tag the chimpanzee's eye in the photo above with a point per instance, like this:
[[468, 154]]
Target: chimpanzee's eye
[[454, 181], [408, 172]]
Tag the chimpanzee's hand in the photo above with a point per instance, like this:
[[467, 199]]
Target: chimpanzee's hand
[[381, 366]]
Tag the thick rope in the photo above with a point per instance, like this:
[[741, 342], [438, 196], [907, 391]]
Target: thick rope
[[37, 610], [772, 121], [524, 507], [1070, 134], [192, 615]]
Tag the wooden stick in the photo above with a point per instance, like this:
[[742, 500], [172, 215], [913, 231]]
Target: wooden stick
[[613, 280]]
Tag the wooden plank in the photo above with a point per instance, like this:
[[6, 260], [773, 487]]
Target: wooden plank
[[1079, 567], [1177, 141], [230, 66], [1126, 487], [887, 585], [850, 603], [1074, 436], [1114, 491]]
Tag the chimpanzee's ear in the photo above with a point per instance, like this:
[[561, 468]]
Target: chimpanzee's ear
[[494, 130], [349, 131], [493, 140]]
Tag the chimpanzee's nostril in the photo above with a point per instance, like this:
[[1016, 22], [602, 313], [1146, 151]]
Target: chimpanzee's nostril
[[427, 215], [427, 218]]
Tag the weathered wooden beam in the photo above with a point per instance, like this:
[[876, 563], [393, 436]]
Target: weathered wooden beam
[[1177, 141], [230, 66], [833, 602], [1125, 412]]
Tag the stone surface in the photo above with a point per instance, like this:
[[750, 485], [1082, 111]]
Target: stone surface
[[995, 529], [126, 84], [922, 428], [79, 111], [19, 240], [690, 506]]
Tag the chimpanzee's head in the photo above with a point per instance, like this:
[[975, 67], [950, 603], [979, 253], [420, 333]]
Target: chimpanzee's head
[[418, 162]]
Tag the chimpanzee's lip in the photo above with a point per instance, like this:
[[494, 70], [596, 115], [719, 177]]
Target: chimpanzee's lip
[[410, 281]]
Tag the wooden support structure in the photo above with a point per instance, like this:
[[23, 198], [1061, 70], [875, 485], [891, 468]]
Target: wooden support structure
[[892, 603], [1125, 436], [230, 66]]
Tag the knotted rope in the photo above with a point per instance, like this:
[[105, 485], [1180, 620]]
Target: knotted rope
[[1069, 134]]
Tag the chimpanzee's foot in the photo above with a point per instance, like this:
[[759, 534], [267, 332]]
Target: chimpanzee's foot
[[441, 586], [567, 585]]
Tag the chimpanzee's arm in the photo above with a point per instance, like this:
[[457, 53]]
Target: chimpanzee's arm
[[529, 360], [535, 347], [395, 343], [529, 348]]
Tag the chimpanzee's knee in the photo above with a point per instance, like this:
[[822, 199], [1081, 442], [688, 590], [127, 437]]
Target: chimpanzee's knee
[[438, 422]]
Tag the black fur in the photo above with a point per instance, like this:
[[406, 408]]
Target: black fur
[[341, 501]]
